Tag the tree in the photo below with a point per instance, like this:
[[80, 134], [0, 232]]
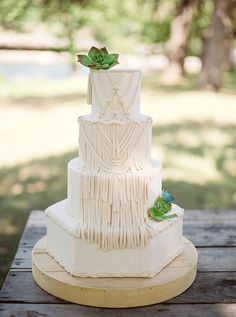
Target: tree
[[177, 43], [217, 44], [69, 16]]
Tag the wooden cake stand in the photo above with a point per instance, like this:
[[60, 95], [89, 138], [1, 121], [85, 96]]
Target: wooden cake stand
[[174, 279]]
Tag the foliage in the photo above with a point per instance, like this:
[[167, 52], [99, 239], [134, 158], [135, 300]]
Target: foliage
[[198, 26], [64, 17], [118, 24]]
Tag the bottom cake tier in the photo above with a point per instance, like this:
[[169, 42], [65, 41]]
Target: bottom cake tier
[[80, 258]]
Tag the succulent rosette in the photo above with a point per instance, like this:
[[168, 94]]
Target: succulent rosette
[[162, 206], [98, 59], [167, 197]]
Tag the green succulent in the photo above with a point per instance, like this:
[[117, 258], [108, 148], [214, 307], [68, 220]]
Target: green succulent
[[160, 209], [161, 205], [98, 59]]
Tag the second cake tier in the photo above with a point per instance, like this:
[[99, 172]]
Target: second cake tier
[[112, 207], [116, 146]]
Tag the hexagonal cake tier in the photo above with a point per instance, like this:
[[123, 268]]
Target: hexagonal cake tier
[[80, 258]]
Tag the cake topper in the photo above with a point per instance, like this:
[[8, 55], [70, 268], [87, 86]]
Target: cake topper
[[162, 206], [98, 59]]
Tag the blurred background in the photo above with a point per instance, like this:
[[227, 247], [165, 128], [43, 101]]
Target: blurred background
[[186, 50]]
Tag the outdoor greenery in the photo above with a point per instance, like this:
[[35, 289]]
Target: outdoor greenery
[[40, 182], [113, 24], [198, 151]]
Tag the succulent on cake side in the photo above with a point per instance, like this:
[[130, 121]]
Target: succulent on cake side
[[162, 206]]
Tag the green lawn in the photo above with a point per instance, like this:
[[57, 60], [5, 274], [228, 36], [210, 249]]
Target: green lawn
[[194, 135]]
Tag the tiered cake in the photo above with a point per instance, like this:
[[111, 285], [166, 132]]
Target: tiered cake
[[103, 227]]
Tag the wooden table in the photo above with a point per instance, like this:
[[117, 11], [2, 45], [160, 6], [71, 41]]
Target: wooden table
[[213, 293]]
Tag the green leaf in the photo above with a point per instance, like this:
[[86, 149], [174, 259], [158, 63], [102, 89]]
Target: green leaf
[[112, 59], [93, 50], [161, 205], [156, 215], [105, 66], [106, 60], [84, 60], [169, 216], [152, 212], [114, 56], [113, 64], [104, 50], [92, 65], [158, 201]]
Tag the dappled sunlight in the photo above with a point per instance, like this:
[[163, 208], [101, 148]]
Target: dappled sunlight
[[230, 166], [194, 136], [188, 106], [215, 137], [190, 168], [30, 93], [198, 162], [16, 189], [192, 151], [36, 187], [25, 187], [30, 134], [40, 118]]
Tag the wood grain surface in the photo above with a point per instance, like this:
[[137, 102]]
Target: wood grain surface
[[213, 294]]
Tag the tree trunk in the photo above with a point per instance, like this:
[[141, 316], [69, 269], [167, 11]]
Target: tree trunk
[[217, 42], [176, 46]]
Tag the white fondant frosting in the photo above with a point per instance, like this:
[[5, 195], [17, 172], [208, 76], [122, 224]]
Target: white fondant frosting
[[75, 169], [112, 208], [114, 93], [103, 228], [115, 147], [81, 258]]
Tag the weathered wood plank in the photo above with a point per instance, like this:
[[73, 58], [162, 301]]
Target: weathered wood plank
[[209, 287], [216, 259], [38, 215], [210, 234], [210, 215], [31, 235], [209, 259], [201, 233], [22, 259], [160, 310]]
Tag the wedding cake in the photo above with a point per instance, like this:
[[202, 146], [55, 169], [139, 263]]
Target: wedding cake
[[116, 221]]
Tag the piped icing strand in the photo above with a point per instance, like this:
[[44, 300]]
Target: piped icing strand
[[115, 147], [115, 168], [114, 178]]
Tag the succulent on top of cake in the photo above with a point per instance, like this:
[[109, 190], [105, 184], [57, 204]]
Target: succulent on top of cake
[[162, 207], [98, 59]]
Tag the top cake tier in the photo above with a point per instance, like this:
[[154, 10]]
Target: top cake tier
[[114, 94]]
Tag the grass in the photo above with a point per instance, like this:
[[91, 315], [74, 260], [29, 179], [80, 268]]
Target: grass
[[194, 135]]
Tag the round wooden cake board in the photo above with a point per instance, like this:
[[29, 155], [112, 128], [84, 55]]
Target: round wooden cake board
[[174, 279]]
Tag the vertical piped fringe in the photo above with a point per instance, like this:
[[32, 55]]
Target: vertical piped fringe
[[114, 183], [113, 209]]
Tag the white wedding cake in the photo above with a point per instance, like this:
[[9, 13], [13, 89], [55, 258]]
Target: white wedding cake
[[103, 227]]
